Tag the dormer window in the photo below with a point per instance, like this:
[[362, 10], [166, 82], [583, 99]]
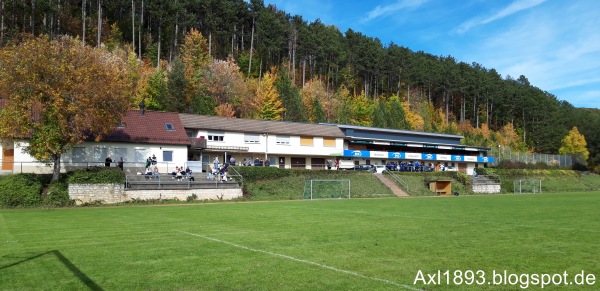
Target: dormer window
[[169, 126], [121, 125]]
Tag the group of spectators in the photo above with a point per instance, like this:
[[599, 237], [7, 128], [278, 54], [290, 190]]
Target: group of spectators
[[256, 162], [150, 171], [180, 173], [109, 161], [414, 167], [218, 171], [406, 167]]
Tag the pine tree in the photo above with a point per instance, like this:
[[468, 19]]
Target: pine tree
[[379, 115], [317, 112], [292, 101], [396, 118]]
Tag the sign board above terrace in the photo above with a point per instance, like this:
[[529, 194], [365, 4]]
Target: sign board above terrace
[[415, 156]]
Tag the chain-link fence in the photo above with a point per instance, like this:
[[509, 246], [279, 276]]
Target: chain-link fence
[[506, 154]]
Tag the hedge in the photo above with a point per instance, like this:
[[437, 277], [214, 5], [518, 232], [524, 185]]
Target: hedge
[[21, 190]]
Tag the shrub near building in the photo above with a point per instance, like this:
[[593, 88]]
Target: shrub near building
[[21, 190], [31, 190]]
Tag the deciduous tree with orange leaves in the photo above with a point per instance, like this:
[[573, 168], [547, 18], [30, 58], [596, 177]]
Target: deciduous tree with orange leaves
[[59, 93]]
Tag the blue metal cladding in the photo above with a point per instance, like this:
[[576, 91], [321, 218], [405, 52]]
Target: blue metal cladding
[[396, 155], [429, 157], [357, 154], [402, 137], [417, 156], [485, 159]]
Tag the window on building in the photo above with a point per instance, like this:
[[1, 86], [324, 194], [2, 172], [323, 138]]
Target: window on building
[[78, 155], [167, 156], [120, 152], [191, 133], [329, 142], [216, 136], [141, 155], [100, 154], [251, 138], [306, 141], [169, 126], [282, 139]]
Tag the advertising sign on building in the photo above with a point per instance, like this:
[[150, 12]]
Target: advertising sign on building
[[429, 157], [444, 157], [413, 156], [470, 159], [395, 155], [375, 154]]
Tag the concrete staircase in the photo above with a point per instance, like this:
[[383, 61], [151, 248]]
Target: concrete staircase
[[392, 185]]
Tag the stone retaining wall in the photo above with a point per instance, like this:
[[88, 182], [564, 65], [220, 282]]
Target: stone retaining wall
[[490, 189], [115, 193]]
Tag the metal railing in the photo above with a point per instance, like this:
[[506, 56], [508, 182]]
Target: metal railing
[[169, 181], [485, 180], [240, 178], [398, 180], [506, 154]]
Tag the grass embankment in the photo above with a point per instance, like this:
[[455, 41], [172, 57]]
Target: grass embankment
[[418, 183], [284, 184], [552, 180], [276, 184], [269, 183], [347, 244]]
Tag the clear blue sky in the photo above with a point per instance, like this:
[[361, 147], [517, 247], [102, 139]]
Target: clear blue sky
[[554, 43]]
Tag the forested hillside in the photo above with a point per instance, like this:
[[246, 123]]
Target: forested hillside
[[233, 58]]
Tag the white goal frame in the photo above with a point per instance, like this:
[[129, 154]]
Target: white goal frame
[[341, 181], [527, 186]]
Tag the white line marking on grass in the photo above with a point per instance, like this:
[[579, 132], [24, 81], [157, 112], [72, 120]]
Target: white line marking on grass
[[302, 261]]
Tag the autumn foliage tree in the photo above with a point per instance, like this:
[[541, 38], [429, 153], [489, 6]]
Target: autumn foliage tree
[[574, 144], [195, 58], [267, 103], [225, 83], [60, 93]]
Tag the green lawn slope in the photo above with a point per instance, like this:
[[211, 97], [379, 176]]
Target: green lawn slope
[[262, 183]]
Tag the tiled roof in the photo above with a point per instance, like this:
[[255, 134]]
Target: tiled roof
[[216, 123], [150, 128]]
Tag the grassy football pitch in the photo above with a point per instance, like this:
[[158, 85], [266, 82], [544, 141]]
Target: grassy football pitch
[[356, 244]]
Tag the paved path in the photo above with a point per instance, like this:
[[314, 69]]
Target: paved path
[[392, 185]]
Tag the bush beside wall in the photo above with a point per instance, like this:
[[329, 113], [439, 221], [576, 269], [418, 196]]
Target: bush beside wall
[[21, 190]]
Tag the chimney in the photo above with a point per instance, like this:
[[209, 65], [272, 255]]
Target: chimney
[[142, 107]]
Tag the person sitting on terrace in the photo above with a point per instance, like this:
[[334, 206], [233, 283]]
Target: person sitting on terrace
[[188, 174], [148, 173], [178, 175], [155, 172]]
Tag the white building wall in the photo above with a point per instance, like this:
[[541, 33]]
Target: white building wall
[[269, 145], [135, 155], [95, 153]]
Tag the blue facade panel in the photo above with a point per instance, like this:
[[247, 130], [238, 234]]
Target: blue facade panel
[[396, 155], [416, 156]]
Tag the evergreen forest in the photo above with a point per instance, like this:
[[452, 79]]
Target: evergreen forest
[[243, 59]]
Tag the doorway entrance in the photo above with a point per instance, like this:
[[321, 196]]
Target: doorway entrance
[[8, 158]]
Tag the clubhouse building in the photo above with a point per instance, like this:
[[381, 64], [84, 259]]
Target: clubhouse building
[[189, 140]]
